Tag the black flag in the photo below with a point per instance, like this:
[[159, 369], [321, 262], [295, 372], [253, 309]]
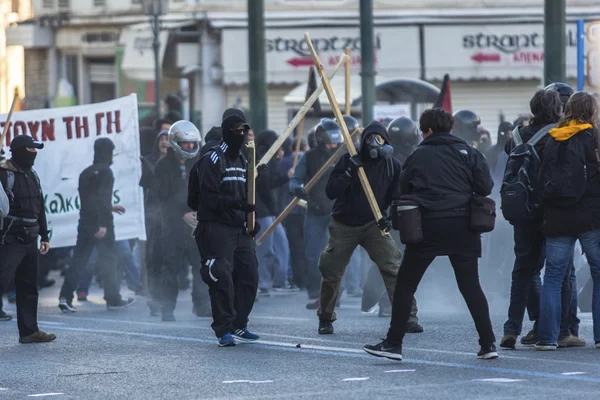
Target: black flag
[[311, 87]]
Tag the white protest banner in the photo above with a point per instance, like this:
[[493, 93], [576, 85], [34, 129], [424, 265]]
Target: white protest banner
[[68, 135], [383, 112]]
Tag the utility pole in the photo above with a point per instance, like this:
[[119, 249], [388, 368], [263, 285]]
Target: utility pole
[[555, 45], [257, 81], [367, 69]]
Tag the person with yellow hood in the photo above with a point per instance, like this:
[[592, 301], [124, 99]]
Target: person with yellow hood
[[570, 191]]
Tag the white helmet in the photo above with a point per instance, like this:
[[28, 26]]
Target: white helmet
[[184, 131]]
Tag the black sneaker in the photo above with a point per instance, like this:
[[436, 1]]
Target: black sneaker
[[82, 296], [263, 292], [124, 303], [414, 327], [325, 328], [154, 307], [66, 306], [168, 317], [488, 352], [4, 316], [313, 306], [384, 349], [509, 341], [530, 339]]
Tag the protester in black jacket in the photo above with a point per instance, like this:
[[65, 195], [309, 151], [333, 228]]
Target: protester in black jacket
[[274, 253], [96, 229], [19, 231], [353, 222], [217, 191], [441, 176], [177, 224]]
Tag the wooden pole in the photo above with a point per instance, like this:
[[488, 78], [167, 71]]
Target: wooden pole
[[251, 184], [7, 122], [296, 200], [300, 130], [307, 106], [348, 98], [340, 118]]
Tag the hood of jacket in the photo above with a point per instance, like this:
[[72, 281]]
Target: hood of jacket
[[265, 140], [214, 135], [568, 131], [10, 166], [155, 155], [376, 128], [103, 151]]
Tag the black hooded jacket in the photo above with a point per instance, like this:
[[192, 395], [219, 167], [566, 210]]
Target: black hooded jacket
[[268, 181], [442, 174], [96, 184], [351, 205], [149, 163], [212, 139], [171, 185]]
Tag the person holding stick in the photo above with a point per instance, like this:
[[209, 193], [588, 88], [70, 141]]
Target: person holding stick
[[352, 219], [218, 192]]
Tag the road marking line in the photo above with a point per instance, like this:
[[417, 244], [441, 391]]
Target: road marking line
[[355, 379], [400, 370], [247, 381], [44, 394], [3, 389], [339, 351], [51, 323], [574, 373], [498, 380]]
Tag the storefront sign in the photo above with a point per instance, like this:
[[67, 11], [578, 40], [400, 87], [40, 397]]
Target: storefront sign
[[396, 52]]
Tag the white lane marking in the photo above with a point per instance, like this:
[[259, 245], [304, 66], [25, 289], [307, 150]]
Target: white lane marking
[[3, 389], [50, 323], [44, 394], [498, 380], [355, 379], [400, 370], [574, 373], [247, 381]]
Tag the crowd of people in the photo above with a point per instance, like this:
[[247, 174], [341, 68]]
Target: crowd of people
[[431, 180]]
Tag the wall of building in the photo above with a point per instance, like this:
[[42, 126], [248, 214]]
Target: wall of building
[[36, 82]]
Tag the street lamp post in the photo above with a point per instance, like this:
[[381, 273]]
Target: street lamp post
[[155, 9]]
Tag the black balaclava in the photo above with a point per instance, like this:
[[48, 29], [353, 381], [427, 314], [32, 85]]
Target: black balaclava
[[23, 158], [231, 136], [103, 151]]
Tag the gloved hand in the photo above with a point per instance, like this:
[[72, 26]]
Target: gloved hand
[[353, 166], [261, 168], [384, 225], [243, 206], [300, 192], [255, 230]]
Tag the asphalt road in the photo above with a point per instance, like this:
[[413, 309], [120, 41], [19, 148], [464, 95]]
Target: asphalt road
[[127, 354]]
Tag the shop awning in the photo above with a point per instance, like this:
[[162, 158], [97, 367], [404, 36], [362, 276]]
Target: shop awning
[[138, 58], [388, 90]]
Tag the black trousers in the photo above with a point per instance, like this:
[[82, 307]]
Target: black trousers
[[20, 262], [294, 229], [107, 257], [230, 269], [178, 247], [411, 272]]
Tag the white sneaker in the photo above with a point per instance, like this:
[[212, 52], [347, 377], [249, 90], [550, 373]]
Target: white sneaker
[[65, 306]]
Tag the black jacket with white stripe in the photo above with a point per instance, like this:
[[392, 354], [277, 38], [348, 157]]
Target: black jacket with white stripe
[[216, 182]]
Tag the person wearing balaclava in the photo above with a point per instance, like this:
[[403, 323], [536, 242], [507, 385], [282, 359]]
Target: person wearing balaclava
[[96, 230], [19, 231], [353, 223], [218, 193]]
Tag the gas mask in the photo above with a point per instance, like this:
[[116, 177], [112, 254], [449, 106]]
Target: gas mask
[[377, 147]]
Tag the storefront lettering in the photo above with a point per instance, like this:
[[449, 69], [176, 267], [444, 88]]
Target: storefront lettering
[[299, 46], [510, 44]]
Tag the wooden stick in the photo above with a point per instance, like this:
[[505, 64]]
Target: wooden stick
[[7, 122], [251, 185], [348, 98], [305, 108], [296, 200], [340, 118]]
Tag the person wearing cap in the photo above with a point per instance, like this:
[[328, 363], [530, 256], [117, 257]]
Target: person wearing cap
[[96, 230], [19, 231], [218, 193]]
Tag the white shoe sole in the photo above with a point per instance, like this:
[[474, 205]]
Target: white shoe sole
[[243, 339], [120, 307], [489, 356], [545, 348], [66, 309], [391, 356]]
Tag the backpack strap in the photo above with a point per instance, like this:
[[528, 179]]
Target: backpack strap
[[516, 136], [540, 134], [10, 180]]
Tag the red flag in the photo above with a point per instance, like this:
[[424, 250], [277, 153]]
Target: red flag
[[444, 100]]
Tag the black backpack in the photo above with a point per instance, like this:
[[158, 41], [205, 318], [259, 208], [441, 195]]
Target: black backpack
[[519, 198], [564, 173]]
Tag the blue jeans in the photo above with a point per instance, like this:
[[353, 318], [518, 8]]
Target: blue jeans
[[273, 256], [559, 253], [316, 236]]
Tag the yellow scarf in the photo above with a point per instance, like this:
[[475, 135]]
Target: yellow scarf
[[568, 131]]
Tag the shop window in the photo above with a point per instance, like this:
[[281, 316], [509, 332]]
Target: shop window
[[48, 3], [63, 4]]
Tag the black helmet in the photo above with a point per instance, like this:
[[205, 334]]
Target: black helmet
[[465, 125], [564, 91], [328, 132], [351, 123], [403, 132]]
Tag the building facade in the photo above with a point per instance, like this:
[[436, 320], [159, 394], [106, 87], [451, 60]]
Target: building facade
[[94, 50]]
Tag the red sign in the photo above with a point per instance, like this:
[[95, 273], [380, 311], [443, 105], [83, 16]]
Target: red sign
[[485, 57], [301, 61]]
